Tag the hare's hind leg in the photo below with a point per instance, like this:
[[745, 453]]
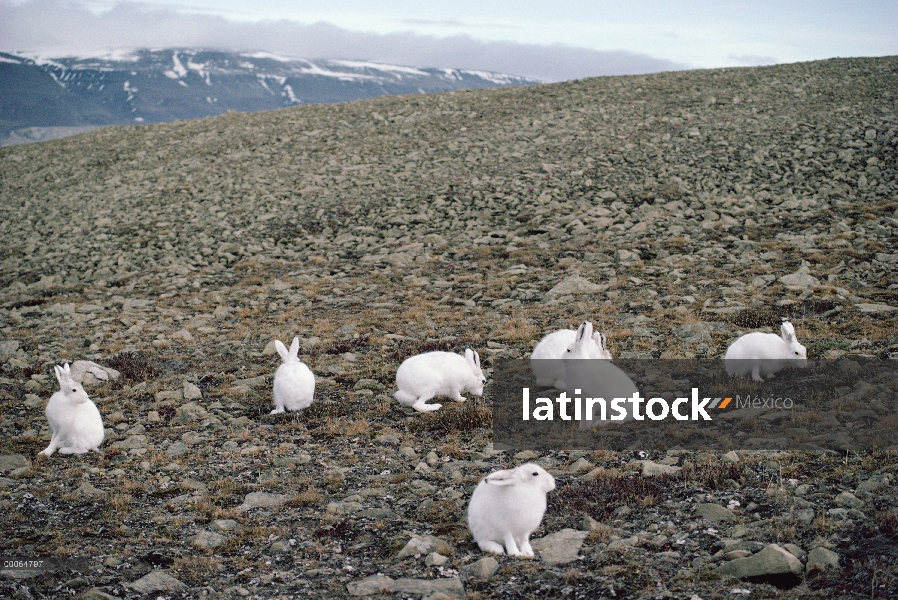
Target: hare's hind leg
[[511, 546], [51, 448], [491, 546], [756, 373], [420, 405], [525, 547]]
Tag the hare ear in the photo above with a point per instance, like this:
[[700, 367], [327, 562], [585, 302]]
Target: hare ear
[[294, 347], [59, 373], [65, 367], [587, 330], [476, 358], [788, 331], [282, 350], [580, 331], [602, 341], [503, 477]]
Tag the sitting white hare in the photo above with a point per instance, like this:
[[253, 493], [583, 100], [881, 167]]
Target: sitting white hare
[[507, 506], [74, 420]]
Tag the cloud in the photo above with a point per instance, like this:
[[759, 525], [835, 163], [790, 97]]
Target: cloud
[[45, 25], [451, 23], [753, 60]]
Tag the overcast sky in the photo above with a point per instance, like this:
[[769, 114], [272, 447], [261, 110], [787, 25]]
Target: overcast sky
[[557, 40]]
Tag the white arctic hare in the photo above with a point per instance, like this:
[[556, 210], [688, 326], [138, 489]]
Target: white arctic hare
[[546, 358], [596, 379], [507, 506], [765, 353], [75, 422], [294, 382], [423, 376]]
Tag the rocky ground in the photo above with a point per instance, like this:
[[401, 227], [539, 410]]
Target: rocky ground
[[676, 211]]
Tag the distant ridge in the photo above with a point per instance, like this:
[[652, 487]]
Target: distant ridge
[[44, 96]]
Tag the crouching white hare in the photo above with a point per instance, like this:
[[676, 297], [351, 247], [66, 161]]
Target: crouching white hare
[[294, 382], [763, 354], [507, 506], [75, 422], [546, 358], [423, 376], [596, 379]]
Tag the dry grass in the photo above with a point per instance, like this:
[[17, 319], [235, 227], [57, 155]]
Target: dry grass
[[310, 496], [197, 569]]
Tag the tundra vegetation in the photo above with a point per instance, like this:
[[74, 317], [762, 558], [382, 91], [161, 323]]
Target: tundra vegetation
[[676, 211]]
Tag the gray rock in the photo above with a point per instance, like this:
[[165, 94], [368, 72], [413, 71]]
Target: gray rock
[[344, 508], [424, 544], [8, 348], [370, 586], [225, 525], [155, 581], [560, 547], [801, 279], [805, 516], [873, 308], [262, 500], [176, 449], [484, 568], [191, 391], [87, 489], [97, 594], [822, 559], [169, 396], [380, 584], [90, 373], [700, 332], [576, 284], [435, 559], [771, 561], [732, 456], [10, 462], [188, 413], [623, 543], [714, 512], [207, 540], [133, 441], [868, 486], [527, 455], [848, 499], [581, 465], [651, 468], [796, 551]]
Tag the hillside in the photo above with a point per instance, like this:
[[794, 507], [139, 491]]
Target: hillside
[[39, 96], [696, 205]]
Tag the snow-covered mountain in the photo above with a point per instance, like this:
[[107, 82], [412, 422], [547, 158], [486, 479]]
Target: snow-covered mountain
[[43, 96]]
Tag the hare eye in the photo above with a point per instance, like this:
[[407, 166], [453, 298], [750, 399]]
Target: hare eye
[[796, 354], [535, 474], [74, 390]]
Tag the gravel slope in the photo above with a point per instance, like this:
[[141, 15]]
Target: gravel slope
[[676, 211]]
